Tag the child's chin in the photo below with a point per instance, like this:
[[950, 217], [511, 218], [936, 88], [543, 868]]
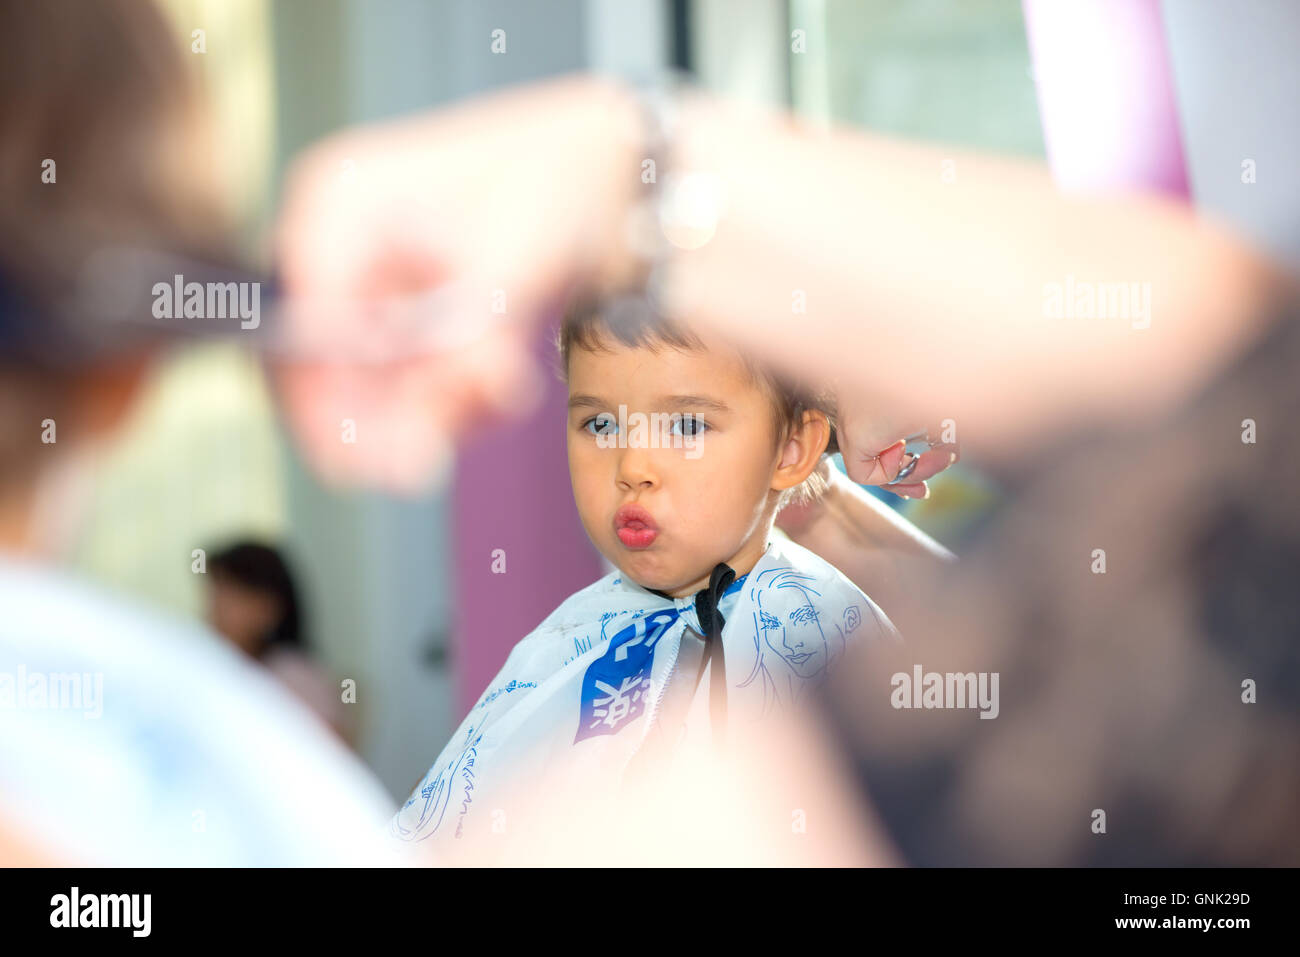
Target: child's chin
[[644, 569]]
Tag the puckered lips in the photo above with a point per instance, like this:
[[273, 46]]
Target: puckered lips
[[635, 527]]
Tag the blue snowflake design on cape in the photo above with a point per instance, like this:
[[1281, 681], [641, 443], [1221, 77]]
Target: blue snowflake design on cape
[[616, 686]]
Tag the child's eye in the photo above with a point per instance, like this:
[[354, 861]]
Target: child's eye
[[603, 424], [688, 425]]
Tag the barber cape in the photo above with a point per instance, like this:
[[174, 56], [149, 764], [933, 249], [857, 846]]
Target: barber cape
[[618, 671]]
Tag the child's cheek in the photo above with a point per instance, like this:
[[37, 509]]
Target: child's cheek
[[585, 483]]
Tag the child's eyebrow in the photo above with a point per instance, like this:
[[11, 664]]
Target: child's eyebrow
[[582, 400], [695, 402]]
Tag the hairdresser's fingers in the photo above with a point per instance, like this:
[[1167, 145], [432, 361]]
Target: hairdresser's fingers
[[868, 466], [932, 462], [431, 409], [928, 465], [341, 419], [872, 444], [864, 429], [393, 427], [453, 195], [911, 490]]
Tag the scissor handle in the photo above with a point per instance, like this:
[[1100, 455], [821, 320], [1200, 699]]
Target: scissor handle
[[916, 445]]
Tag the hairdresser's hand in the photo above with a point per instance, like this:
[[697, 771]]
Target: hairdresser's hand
[[874, 454], [503, 203]]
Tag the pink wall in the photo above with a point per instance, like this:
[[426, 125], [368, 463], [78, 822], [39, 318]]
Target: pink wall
[[511, 491], [1105, 95]]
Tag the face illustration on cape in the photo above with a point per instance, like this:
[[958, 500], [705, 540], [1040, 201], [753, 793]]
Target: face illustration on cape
[[798, 639]]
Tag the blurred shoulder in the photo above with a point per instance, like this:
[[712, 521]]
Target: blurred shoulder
[[155, 716]]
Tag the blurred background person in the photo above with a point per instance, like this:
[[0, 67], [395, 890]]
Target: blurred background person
[[252, 602]]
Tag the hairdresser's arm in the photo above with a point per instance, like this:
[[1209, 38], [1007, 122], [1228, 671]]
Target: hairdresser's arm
[[876, 548], [927, 297]]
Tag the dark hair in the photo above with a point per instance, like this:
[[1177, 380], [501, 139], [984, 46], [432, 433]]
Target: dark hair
[[262, 568], [104, 91], [631, 320]]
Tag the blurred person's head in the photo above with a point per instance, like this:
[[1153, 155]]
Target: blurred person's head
[[252, 600], [100, 148], [681, 449]]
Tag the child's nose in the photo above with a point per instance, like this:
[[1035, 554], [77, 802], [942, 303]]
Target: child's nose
[[636, 470]]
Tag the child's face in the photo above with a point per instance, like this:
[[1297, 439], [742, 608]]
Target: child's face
[[699, 473]]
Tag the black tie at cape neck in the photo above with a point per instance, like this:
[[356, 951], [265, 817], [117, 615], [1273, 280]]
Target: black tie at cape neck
[[711, 623]]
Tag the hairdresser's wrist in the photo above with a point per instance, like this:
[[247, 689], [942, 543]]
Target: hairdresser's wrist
[[700, 132], [748, 163], [607, 150]]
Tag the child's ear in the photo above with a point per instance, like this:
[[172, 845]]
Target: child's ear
[[802, 450]]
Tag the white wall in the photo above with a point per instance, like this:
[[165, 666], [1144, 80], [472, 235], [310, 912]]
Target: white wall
[[1237, 77]]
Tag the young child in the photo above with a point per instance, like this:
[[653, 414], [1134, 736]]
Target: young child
[[681, 453]]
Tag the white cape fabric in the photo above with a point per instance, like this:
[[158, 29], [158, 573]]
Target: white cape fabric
[[613, 671], [131, 739]]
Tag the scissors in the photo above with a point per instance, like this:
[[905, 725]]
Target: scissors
[[917, 444]]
